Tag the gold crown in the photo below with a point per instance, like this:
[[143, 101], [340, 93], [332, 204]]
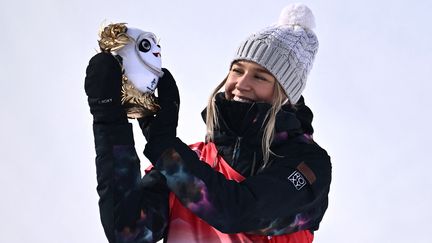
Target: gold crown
[[113, 37]]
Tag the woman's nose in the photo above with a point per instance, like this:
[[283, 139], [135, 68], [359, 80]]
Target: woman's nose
[[243, 82]]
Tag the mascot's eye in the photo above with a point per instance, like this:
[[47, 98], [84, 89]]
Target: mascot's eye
[[144, 46]]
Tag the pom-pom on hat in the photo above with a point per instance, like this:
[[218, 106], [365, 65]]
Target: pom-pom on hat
[[286, 49]]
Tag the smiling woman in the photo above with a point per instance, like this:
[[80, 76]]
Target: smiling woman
[[249, 82], [258, 177]]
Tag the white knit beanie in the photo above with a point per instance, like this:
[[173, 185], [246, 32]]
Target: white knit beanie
[[286, 49]]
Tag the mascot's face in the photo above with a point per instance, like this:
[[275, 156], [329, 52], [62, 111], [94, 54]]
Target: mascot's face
[[146, 47], [142, 60]]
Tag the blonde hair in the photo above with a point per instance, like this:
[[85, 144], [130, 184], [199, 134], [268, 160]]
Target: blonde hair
[[279, 98]]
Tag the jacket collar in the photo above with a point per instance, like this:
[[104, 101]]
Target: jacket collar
[[247, 120]]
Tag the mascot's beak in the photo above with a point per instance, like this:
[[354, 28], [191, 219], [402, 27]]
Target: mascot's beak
[[156, 54]]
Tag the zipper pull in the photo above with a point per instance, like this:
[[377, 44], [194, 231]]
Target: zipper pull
[[236, 151]]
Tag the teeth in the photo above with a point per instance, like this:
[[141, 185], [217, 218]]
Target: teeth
[[241, 99]]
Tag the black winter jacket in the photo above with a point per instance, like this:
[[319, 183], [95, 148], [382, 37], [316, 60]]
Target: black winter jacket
[[288, 195]]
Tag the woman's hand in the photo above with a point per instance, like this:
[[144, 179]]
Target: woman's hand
[[102, 85], [164, 124], [162, 129]]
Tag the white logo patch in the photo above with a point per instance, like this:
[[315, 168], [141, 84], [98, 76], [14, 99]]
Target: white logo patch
[[297, 180]]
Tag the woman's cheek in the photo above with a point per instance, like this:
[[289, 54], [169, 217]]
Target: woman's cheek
[[228, 90]]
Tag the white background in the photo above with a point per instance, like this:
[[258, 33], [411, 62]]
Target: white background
[[369, 90]]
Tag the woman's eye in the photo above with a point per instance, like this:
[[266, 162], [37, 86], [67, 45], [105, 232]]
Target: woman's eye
[[144, 45], [236, 70], [261, 78]]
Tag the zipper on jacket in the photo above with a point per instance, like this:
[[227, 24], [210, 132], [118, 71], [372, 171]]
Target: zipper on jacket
[[253, 164], [236, 151]]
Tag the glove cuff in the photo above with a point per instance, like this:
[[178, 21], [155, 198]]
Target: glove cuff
[[154, 149]]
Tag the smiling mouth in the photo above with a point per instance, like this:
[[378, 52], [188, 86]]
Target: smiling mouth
[[156, 54], [236, 98]]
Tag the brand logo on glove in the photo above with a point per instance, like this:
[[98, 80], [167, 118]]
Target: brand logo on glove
[[297, 180], [105, 101]]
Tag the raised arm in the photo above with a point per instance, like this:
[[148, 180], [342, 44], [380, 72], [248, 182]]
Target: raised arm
[[132, 209], [289, 196]]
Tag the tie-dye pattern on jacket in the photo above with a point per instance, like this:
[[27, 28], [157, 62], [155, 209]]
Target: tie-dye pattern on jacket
[[185, 226], [133, 209]]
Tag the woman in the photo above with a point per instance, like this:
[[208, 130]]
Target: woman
[[259, 177]]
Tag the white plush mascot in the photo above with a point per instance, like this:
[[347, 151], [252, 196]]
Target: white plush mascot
[[139, 55]]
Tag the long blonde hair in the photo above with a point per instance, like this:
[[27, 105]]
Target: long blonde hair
[[212, 121]]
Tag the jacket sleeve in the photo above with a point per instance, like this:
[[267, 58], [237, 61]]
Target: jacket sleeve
[[288, 196], [132, 209]]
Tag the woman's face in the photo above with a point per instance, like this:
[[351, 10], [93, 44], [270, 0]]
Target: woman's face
[[249, 82]]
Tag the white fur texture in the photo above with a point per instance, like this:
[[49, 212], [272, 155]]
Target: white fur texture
[[297, 14]]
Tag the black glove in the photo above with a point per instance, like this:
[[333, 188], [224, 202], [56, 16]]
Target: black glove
[[144, 123], [162, 129], [103, 87]]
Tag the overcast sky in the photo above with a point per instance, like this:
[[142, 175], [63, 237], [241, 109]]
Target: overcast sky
[[369, 90]]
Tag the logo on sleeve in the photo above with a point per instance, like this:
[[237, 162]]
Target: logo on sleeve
[[297, 180]]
